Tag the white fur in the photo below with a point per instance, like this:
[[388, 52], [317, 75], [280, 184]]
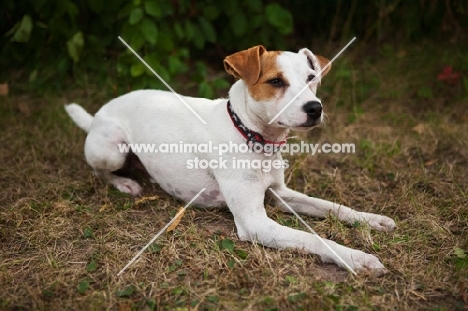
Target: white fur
[[155, 117]]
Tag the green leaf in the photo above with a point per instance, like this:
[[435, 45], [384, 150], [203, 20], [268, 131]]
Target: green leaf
[[279, 18], [291, 279], [178, 290], [154, 248], [227, 244], [22, 30], [127, 292], [205, 90], [75, 46], [231, 263], [92, 266], [163, 73], [199, 39], [149, 30], [71, 8], [184, 53], [175, 65], [208, 29], [152, 8], [83, 286], [137, 40], [242, 254], [239, 24], [135, 16], [125, 10], [213, 299], [87, 233], [165, 42], [137, 69], [33, 75], [49, 291], [179, 31], [201, 69], [189, 30], [296, 297], [221, 83], [459, 253], [151, 303]]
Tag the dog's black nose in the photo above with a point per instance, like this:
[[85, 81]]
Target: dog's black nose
[[313, 109]]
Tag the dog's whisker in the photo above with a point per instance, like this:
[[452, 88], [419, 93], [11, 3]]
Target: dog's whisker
[[324, 120]]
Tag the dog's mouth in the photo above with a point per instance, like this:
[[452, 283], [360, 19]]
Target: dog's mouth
[[312, 123], [309, 124]]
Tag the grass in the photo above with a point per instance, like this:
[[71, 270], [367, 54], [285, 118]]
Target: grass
[[65, 234]]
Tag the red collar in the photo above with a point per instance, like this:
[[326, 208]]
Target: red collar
[[251, 137]]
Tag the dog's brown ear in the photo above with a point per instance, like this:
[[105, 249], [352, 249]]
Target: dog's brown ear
[[323, 62], [245, 64]]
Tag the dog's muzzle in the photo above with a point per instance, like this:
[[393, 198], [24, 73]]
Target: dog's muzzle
[[313, 109]]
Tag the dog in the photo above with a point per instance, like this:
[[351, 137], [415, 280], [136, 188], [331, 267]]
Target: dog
[[267, 81]]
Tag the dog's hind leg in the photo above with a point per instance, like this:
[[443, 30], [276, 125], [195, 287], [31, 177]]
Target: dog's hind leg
[[105, 152]]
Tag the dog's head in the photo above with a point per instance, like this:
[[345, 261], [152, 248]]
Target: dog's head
[[283, 82]]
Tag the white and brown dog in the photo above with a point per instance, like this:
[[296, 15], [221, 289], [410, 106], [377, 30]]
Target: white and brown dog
[[268, 81]]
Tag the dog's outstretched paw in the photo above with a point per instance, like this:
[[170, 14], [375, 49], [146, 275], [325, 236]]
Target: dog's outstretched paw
[[381, 223], [357, 260], [126, 185], [365, 263]]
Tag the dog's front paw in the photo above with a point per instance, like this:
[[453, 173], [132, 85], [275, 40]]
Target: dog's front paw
[[355, 259], [377, 222], [127, 185], [363, 262], [380, 222]]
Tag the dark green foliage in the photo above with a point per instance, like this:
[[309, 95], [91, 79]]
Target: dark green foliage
[[51, 40]]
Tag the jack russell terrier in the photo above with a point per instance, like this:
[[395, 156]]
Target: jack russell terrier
[[267, 82]]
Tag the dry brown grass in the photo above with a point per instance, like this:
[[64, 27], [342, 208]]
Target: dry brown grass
[[62, 227]]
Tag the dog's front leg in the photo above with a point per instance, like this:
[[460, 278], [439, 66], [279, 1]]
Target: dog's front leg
[[304, 204], [245, 200]]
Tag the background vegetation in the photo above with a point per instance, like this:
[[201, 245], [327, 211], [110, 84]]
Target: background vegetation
[[400, 93], [50, 40]]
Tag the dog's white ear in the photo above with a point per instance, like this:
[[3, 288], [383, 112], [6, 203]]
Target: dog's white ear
[[317, 61], [245, 64]]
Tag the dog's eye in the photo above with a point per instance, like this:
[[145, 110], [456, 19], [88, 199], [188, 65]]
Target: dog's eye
[[310, 78], [276, 82]]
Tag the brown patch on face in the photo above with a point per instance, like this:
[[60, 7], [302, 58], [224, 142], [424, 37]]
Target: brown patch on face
[[262, 90]]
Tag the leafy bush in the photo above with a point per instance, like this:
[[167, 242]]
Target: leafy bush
[[53, 38], [49, 40]]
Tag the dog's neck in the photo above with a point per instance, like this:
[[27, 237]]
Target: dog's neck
[[240, 99]]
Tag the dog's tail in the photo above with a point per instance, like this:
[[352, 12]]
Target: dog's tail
[[80, 116]]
